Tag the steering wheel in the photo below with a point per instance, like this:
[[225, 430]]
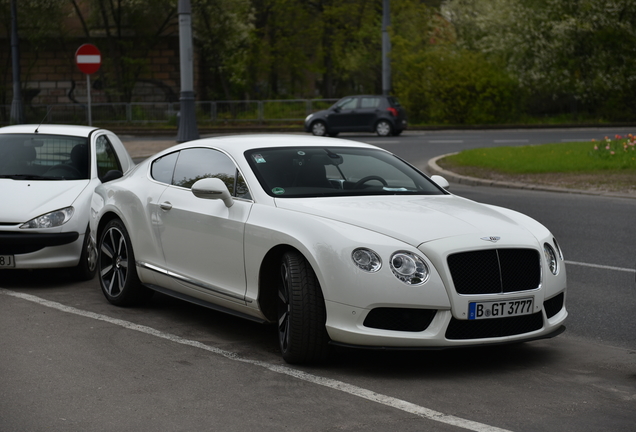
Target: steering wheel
[[363, 180], [66, 171]]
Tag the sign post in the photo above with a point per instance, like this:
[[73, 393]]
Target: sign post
[[88, 60]]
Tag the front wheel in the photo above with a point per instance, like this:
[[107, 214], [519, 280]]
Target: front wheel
[[116, 262], [302, 335], [383, 128], [87, 266], [319, 128]]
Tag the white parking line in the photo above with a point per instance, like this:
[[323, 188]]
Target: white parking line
[[314, 379], [512, 141], [446, 141], [383, 142], [604, 267]]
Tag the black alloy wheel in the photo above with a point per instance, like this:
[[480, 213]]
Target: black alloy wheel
[[117, 273], [302, 335]]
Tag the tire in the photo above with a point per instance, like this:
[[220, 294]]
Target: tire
[[87, 266], [383, 128], [319, 128], [302, 335], [118, 277]]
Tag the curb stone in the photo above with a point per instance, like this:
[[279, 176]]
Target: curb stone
[[434, 168]]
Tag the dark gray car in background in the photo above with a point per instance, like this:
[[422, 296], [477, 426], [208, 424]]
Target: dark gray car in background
[[365, 113]]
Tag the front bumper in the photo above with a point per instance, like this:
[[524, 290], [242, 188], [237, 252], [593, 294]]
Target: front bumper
[[42, 250]]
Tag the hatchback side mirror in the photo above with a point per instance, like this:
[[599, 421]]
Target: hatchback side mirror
[[111, 175], [212, 188]]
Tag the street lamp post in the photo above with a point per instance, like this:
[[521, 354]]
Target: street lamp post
[[17, 111], [187, 116], [386, 48]]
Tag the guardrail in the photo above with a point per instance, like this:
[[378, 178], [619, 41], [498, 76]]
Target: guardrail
[[167, 112]]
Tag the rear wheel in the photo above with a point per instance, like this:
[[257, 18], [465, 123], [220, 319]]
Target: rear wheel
[[117, 273], [383, 128], [302, 334]]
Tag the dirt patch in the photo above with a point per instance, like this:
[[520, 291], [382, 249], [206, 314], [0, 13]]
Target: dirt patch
[[602, 181]]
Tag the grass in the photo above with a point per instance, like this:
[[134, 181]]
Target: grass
[[551, 158], [607, 165]]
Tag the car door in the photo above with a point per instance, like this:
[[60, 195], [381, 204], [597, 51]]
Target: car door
[[202, 239], [344, 116], [369, 111]]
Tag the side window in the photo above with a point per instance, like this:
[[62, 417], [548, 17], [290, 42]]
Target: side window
[[106, 157], [369, 102], [348, 104], [197, 163], [163, 168]]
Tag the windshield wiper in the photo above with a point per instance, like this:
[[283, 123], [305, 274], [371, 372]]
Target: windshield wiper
[[29, 177]]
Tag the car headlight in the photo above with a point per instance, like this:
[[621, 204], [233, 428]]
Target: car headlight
[[308, 118], [551, 257], [558, 248], [50, 220], [409, 268], [366, 259]]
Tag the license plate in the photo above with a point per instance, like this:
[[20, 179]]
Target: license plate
[[500, 309], [7, 261]]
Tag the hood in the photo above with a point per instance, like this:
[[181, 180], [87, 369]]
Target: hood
[[413, 220], [22, 200]]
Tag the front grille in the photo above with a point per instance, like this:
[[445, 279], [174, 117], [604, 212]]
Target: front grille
[[400, 319], [553, 305], [495, 271], [492, 328]]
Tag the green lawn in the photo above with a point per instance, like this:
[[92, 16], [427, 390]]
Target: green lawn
[[576, 157]]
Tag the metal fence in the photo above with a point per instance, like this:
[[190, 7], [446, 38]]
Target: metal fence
[[167, 112]]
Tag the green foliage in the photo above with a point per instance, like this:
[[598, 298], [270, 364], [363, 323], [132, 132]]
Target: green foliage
[[446, 85]]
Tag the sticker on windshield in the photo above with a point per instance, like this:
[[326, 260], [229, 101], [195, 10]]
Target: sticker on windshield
[[278, 191], [258, 158]]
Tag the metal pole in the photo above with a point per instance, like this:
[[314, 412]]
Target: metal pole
[[187, 117], [88, 94], [17, 111], [386, 48]]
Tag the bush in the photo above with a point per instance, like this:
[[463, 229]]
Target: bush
[[449, 86]]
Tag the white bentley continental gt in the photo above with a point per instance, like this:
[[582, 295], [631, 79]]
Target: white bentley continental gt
[[47, 177], [335, 241]]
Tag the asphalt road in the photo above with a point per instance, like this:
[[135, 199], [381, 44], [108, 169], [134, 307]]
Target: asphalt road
[[69, 361]]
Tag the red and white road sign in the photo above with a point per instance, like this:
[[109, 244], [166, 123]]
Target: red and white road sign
[[88, 58]]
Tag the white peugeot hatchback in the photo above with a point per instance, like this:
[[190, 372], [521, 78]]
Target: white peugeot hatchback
[[47, 177]]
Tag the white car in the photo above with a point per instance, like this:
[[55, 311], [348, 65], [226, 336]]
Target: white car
[[336, 241], [47, 177]]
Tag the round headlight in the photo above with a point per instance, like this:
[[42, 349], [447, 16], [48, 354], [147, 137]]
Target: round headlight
[[366, 259], [50, 220], [558, 248], [551, 257], [409, 268]]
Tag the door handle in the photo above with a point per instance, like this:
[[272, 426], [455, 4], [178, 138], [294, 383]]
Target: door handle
[[165, 205]]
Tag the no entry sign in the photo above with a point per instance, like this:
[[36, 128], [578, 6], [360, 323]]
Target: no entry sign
[[88, 58]]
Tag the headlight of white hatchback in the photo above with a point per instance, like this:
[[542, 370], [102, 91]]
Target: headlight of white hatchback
[[50, 220], [409, 268]]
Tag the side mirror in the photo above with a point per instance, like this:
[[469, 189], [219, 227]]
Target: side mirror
[[440, 181], [212, 188], [336, 109], [111, 175]]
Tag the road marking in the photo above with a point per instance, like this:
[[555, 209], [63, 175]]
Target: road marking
[[446, 141], [285, 370], [383, 142], [576, 140], [604, 267], [512, 141]]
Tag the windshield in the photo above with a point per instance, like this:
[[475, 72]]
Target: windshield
[[43, 157], [294, 172]]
